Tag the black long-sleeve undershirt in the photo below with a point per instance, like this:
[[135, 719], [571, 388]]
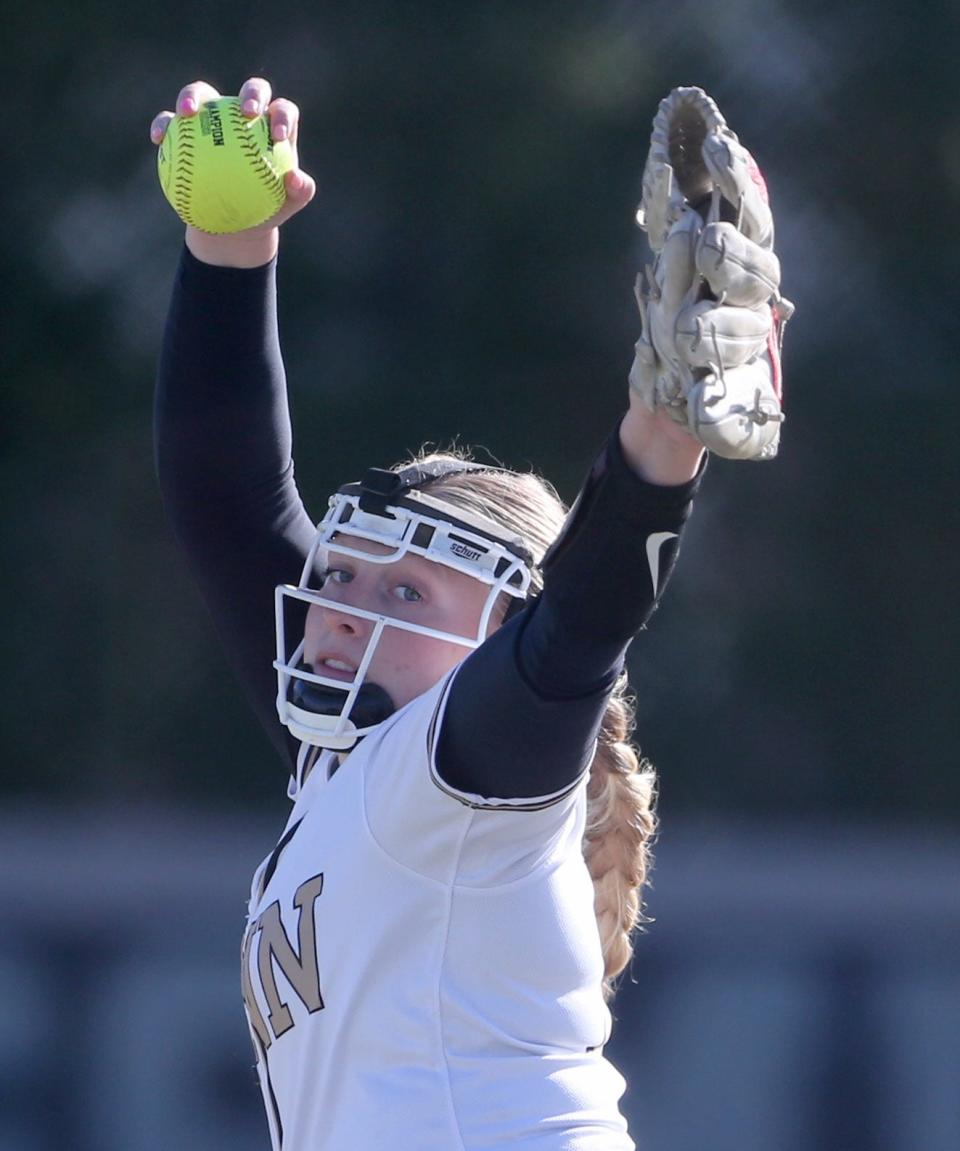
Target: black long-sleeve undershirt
[[525, 707]]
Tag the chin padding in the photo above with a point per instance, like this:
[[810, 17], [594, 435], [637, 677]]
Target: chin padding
[[372, 705]]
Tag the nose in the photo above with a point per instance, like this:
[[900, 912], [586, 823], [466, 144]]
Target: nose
[[338, 620], [324, 622]]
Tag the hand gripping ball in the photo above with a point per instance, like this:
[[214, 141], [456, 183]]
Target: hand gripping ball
[[220, 170]]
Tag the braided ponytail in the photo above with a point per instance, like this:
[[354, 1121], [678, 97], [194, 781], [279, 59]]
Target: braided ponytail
[[618, 837]]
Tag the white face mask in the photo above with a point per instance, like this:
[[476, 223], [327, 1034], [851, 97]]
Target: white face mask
[[384, 509]]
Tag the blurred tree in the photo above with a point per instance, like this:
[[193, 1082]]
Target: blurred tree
[[467, 272]]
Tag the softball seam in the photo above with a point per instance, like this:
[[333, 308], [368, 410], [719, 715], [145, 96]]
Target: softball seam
[[263, 168]]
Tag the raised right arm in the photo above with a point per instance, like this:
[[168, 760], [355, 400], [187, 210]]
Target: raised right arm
[[223, 439]]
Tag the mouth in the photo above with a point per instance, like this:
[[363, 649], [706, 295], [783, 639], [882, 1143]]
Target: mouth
[[335, 668]]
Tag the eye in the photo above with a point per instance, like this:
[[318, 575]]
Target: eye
[[335, 575], [407, 593]]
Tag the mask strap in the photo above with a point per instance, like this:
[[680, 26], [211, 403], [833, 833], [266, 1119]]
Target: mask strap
[[380, 486]]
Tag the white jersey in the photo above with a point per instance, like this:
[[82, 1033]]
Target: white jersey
[[422, 968]]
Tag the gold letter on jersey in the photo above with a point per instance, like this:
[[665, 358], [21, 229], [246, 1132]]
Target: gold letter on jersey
[[301, 970]]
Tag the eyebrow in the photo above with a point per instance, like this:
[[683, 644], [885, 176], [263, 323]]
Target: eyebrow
[[412, 568], [424, 571]]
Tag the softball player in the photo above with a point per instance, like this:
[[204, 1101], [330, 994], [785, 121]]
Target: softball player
[[432, 943]]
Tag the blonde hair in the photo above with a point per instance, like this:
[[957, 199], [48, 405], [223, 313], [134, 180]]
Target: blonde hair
[[621, 792]]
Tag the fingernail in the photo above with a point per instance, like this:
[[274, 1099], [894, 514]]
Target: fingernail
[[280, 132], [251, 107], [188, 106]]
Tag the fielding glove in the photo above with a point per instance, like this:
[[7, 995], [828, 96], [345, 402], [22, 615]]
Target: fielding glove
[[710, 306]]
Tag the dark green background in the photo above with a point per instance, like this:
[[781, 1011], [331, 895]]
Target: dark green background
[[467, 271]]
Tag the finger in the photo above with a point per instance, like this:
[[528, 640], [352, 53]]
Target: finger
[[737, 415], [739, 179], [662, 200], [255, 95], [193, 95], [301, 188], [676, 268], [710, 335], [737, 270], [159, 125], [284, 120]]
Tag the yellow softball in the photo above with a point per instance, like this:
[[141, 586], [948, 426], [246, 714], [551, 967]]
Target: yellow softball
[[220, 170]]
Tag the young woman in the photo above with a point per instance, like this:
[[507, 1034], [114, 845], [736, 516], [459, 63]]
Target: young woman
[[432, 944]]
